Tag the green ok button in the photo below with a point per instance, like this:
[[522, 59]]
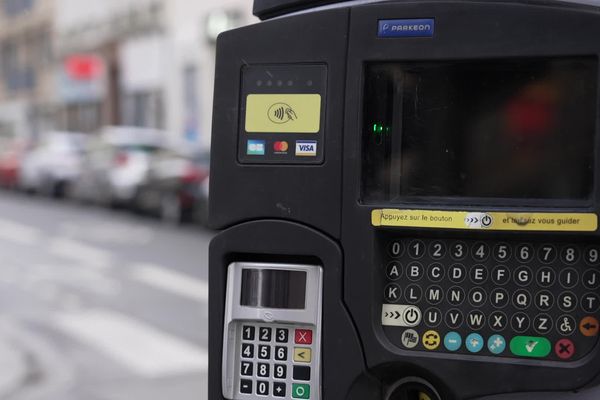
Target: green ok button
[[530, 346], [300, 391]]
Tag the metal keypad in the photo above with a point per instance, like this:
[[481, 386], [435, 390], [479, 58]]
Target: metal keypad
[[492, 298], [276, 360]]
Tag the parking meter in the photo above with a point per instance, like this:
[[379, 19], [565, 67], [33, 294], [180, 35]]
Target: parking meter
[[408, 197]]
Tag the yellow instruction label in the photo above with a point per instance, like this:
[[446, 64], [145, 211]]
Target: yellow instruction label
[[495, 220], [283, 113]]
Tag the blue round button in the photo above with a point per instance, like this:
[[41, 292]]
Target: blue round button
[[474, 343], [452, 341], [496, 344]]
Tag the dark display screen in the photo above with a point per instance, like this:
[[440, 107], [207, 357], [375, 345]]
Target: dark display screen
[[271, 288], [510, 128]]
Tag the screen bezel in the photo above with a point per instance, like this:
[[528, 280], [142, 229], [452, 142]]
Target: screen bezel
[[496, 202]]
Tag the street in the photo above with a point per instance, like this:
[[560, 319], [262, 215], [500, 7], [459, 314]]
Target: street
[[99, 304]]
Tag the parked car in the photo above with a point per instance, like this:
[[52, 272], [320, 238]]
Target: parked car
[[173, 186], [11, 157], [115, 164], [52, 165]]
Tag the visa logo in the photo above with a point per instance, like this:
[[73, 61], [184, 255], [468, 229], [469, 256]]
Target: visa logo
[[306, 148]]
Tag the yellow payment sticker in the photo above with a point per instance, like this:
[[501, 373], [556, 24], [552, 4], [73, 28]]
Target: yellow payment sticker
[[283, 113], [494, 221]]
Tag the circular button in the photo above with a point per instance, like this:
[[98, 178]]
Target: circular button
[[476, 320], [591, 279], [543, 324], [393, 271], [435, 272], [564, 349], [455, 295], [524, 252], [477, 297], [523, 276], [592, 255], [452, 341], [412, 316], [413, 294], [567, 301], [414, 271], [498, 321], [454, 318], [544, 300], [480, 251], [432, 317], [568, 278], [474, 343], [431, 340], [391, 293], [545, 276], [520, 322], [410, 338], [499, 298], [437, 250], [434, 294], [590, 303], [502, 252], [546, 253], [458, 251], [565, 325], [521, 299], [396, 248], [496, 344], [589, 326], [501, 275], [569, 254], [478, 274], [416, 249], [457, 273]]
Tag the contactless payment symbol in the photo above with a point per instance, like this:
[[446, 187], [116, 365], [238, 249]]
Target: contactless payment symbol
[[452, 341], [255, 148], [280, 113], [496, 344], [431, 340]]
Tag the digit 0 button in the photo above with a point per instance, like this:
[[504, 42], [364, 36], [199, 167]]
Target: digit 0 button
[[530, 346]]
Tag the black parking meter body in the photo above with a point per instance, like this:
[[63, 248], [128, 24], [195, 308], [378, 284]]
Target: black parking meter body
[[408, 196]]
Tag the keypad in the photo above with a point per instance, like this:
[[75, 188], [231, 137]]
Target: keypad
[[491, 298], [276, 361]]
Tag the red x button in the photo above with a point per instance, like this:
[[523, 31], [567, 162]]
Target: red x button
[[564, 349], [303, 336]]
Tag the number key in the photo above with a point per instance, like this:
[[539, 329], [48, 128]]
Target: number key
[[416, 249], [265, 334], [264, 352], [262, 388], [481, 251], [281, 335], [280, 371], [458, 250], [247, 368], [263, 370], [569, 255], [280, 353], [592, 255], [247, 350], [547, 253], [396, 248], [437, 250], [501, 252], [524, 252], [248, 332]]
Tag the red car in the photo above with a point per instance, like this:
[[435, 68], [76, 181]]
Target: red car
[[10, 163]]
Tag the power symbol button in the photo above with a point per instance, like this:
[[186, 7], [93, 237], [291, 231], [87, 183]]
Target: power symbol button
[[486, 220], [412, 316]]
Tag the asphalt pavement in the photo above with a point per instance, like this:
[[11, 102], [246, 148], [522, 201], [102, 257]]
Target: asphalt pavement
[[99, 304]]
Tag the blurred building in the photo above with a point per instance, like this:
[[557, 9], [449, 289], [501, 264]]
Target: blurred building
[[26, 67], [141, 62]]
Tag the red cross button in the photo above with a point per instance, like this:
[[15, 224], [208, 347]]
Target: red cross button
[[303, 336], [564, 349]]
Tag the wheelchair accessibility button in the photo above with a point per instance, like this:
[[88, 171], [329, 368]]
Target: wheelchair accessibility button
[[452, 341], [431, 340], [474, 342], [530, 346]]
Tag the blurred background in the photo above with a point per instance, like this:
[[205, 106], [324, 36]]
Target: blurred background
[[105, 116]]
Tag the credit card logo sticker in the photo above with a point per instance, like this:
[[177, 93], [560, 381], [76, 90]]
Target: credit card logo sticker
[[256, 148], [306, 148], [406, 27], [280, 147]]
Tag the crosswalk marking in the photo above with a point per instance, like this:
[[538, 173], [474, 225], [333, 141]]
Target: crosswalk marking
[[142, 348], [80, 252], [171, 281]]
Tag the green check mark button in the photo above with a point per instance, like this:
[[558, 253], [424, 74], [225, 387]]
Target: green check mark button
[[530, 346]]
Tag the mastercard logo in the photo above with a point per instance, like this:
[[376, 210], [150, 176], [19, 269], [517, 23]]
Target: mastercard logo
[[280, 147]]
